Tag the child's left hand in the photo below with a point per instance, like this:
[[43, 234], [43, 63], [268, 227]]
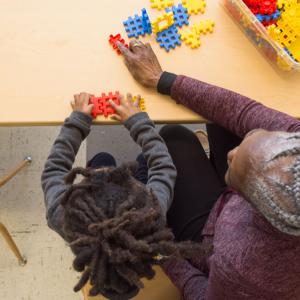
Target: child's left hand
[[82, 104], [126, 109]]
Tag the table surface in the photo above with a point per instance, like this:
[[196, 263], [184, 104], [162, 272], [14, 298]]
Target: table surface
[[53, 49]]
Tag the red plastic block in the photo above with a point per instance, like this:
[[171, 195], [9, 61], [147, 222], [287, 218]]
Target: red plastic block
[[264, 7], [113, 41], [102, 106]]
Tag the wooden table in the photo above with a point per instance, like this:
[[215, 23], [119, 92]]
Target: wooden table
[[53, 49]]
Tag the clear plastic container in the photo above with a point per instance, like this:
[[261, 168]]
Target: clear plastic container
[[259, 35]]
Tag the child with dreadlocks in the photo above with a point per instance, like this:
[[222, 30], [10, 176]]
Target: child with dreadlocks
[[114, 219]]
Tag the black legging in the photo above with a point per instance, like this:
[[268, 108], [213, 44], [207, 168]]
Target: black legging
[[200, 181]]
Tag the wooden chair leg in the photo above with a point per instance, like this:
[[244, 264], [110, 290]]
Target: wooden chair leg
[[13, 247], [16, 170]]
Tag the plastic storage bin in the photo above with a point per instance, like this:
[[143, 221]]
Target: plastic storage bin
[[259, 35]]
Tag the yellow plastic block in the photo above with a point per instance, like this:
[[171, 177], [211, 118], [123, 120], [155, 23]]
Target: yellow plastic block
[[294, 48], [204, 27], [191, 38], [291, 16], [282, 33], [160, 4], [194, 6], [163, 22], [142, 104]]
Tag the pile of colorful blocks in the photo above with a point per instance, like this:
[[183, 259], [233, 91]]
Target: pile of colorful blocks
[[282, 20], [168, 26]]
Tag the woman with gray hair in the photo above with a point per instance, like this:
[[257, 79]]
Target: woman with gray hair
[[252, 218]]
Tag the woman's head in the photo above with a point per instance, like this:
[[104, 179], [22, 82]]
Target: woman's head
[[265, 168], [116, 231]]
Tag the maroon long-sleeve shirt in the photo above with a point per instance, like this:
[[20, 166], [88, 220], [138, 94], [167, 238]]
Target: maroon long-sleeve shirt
[[251, 259]]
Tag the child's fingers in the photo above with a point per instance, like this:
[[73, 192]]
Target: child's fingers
[[137, 101], [116, 118], [76, 98], [90, 107], [115, 106], [129, 99], [122, 100], [72, 102]]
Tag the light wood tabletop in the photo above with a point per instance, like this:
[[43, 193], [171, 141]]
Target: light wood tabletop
[[53, 49]]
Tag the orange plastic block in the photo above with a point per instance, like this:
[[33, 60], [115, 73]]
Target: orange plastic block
[[102, 106], [113, 39]]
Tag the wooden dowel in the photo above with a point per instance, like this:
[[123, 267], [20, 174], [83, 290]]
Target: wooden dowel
[[16, 170], [13, 247]]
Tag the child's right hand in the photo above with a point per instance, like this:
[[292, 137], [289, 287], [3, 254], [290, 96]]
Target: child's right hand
[[82, 104], [126, 109]]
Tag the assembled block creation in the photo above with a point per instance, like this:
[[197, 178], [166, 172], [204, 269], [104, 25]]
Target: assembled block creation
[[102, 106]]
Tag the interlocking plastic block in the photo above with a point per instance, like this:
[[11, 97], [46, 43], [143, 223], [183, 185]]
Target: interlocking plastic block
[[134, 26], [142, 104], [191, 38], [282, 33], [194, 6], [169, 38], [264, 7], [113, 39], [160, 4], [163, 22], [146, 21], [294, 49], [291, 16], [204, 27], [269, 18], [102, 106], [181, 16]]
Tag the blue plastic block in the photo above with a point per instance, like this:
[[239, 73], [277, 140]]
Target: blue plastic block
[[134, 26], [146, 21], [169, 38], [267, 18], [181, 16]]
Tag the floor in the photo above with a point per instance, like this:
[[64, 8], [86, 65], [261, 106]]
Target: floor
[[48, 274]]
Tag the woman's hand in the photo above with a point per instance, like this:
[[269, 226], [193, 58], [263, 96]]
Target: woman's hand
[[81, 103], [142, 63], [126, 109]]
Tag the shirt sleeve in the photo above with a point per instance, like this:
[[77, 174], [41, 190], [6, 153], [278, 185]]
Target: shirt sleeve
[[162, 172], [236, 113], [191, 282], [59, 163]]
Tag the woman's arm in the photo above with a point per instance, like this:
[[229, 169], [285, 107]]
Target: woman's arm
[[232, 111], [191, 282]]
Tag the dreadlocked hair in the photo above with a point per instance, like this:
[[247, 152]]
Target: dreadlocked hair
[[117, 231]]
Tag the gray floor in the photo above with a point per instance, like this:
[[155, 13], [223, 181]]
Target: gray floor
[[117, 141]]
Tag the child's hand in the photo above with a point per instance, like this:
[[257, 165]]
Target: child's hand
[[126, 109], [81, 103]]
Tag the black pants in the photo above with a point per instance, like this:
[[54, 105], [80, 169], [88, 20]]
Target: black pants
[[200, 180]]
